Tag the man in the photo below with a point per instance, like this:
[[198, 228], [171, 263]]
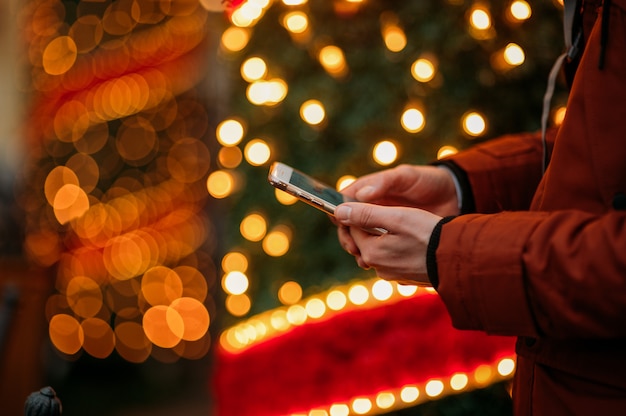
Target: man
[[539, 255]]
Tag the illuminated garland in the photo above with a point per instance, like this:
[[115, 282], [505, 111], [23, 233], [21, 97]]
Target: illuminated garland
[[389, 351]]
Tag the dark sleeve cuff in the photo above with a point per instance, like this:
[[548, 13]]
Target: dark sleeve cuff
[[467, 202], [431, 252]]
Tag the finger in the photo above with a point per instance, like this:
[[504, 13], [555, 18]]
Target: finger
[[362, 264], [365, 216], [346, 240]]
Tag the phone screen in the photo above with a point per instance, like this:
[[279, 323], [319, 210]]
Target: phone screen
[[316, 188]]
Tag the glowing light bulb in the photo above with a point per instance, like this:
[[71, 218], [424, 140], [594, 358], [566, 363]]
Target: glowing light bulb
[[474, 124], [253, 227], [313, 112], [333, 60], [413, 120], [409, 394], [234, 261], [520, 10], [358, 294], [290, 293], [257, 152], [480, 19], [234, 39], [385, 152], [220, 184], [459, 381], [434, 388], [230, 132], [296, 22], [423, 70], [235, 283], [361, 405], [253, 69], [514, 54], [506, 366]]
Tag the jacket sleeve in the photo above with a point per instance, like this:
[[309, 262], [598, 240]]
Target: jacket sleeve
[[560, 274], [500, 174]]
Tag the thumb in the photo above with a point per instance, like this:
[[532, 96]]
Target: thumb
[[356, 214]]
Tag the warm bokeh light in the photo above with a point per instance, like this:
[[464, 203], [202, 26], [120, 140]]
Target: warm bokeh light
[[230, 132], [268, 93], [559, 115], [358, 294], [294, 2], [70, 202], [229, 157], [161, 286], [234, 39], [413, 120], [336, 300], [459, 381], [382, 290], [474, 124], [514, 54], [423, 69], [345, 181], [385, 152], [84, 296], [194, 315], [394, 38], [253, 69], [313, 112], [520, 10], [220, 184], [163, 326], [59, 56], [276, 242], [385, 400], [409, 394], [285, 198], [315, 308], [238, 305], [361, 405], [296, 22], [290, 293], [66, 333], [257, 152], [333, 60], [234, 261], [506, 367], [446, 151], [118, 130], [235, 283], [480, 18], [253, 227]]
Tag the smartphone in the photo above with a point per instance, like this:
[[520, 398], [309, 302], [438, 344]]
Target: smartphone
[[309, 190]]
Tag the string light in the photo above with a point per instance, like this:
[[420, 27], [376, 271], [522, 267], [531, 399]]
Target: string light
[[423, 69], [474, 124], [253, 69], [333, 60], [313, 112], [257, 152], [385, 152], [235, 39]]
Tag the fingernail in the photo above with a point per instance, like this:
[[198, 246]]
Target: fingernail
[[342, 213]]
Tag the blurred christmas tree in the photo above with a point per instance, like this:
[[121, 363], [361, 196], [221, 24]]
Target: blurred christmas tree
[[342, 88], [392, 82]]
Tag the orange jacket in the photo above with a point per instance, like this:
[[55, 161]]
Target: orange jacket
[[544, 256]]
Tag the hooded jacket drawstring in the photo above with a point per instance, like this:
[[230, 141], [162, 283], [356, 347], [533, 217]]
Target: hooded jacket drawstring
[[604, 30]]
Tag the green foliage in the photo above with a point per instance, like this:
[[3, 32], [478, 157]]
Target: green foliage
[[365, 107]]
